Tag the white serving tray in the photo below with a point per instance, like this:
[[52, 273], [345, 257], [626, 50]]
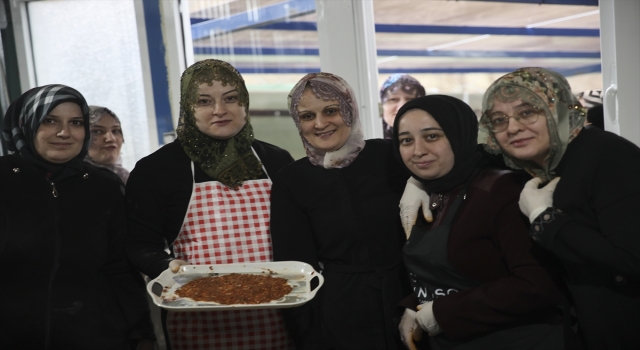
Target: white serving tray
[[298, 274]]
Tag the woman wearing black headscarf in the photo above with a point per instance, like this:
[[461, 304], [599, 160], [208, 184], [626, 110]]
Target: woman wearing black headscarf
[[477, 282], [71, 286]]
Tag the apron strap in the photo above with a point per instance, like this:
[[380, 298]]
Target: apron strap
[[261, 163], [462, 195], [193, 193]]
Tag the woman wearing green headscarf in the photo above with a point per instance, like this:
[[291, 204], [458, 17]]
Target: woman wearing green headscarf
[[587, 209], [186, 195]]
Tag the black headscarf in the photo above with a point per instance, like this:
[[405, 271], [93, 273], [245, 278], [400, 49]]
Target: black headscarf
[[460, 125], [23, 118]]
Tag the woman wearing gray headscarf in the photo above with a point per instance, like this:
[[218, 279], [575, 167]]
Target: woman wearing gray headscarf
[[106, 141], [586, 212], [337, 210], [71, 286]]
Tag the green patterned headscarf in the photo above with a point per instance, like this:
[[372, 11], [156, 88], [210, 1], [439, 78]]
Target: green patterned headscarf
[[229, 161], [546, 90]]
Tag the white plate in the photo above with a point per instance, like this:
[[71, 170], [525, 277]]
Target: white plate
[[298, 275]]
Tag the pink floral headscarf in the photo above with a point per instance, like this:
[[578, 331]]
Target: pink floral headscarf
[[329, 87]]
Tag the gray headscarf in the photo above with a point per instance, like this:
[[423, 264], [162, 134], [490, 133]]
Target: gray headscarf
[[547, 90]]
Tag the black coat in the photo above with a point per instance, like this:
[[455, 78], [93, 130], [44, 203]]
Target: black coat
[[488, 243], [597, 236], [348, 220], [67, 283], [158, 194]]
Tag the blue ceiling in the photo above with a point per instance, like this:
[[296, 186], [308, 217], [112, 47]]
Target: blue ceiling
[[212, 38]]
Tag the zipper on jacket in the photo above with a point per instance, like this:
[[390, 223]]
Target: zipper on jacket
[[54, 267]]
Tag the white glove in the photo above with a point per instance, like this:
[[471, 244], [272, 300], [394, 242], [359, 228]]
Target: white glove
[[533, 201], [410, 331], [413, 198], [175, 264], [427, 320]]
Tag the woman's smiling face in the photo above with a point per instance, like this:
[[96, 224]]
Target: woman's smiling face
[[106, 140], [60, 136], [523, 142], [321, 123], [424, 147]]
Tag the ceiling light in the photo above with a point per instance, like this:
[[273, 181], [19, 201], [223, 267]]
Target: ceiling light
[[562, 19], [386, 59], [459, 42]]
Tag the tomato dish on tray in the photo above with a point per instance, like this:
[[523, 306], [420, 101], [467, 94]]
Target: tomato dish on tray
[[268, 285], [236, 288]]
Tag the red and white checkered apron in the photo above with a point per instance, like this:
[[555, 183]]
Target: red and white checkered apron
[[224, 226]]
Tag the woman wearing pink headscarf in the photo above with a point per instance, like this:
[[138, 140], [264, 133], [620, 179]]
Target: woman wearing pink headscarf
[[337, 209]]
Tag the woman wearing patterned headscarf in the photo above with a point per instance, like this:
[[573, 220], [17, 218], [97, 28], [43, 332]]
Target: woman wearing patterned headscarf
[[477, 282], [216, 153], [397, 90], [587, 211], [106, 141], [74, 288], [337, 209]]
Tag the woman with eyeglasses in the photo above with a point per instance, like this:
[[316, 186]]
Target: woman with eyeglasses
[[478, 281], [583, 202]]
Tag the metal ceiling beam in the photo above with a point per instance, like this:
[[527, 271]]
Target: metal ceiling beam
[[491, 54], [593, 68], [549, 2], [270, 51], [564, 71], [430, 29], [268, 14], [476, 30]]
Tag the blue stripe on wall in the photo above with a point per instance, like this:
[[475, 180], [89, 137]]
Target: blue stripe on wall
[[159, 73], [594, 68]]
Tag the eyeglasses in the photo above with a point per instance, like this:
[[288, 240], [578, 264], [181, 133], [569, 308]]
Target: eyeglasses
[[498, 122]]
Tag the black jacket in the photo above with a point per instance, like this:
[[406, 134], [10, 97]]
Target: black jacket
[[67, 283], [348, 220], [596, 233]]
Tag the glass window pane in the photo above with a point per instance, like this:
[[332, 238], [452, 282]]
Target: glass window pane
[[273, 44], [93, 47], [460, 47]]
